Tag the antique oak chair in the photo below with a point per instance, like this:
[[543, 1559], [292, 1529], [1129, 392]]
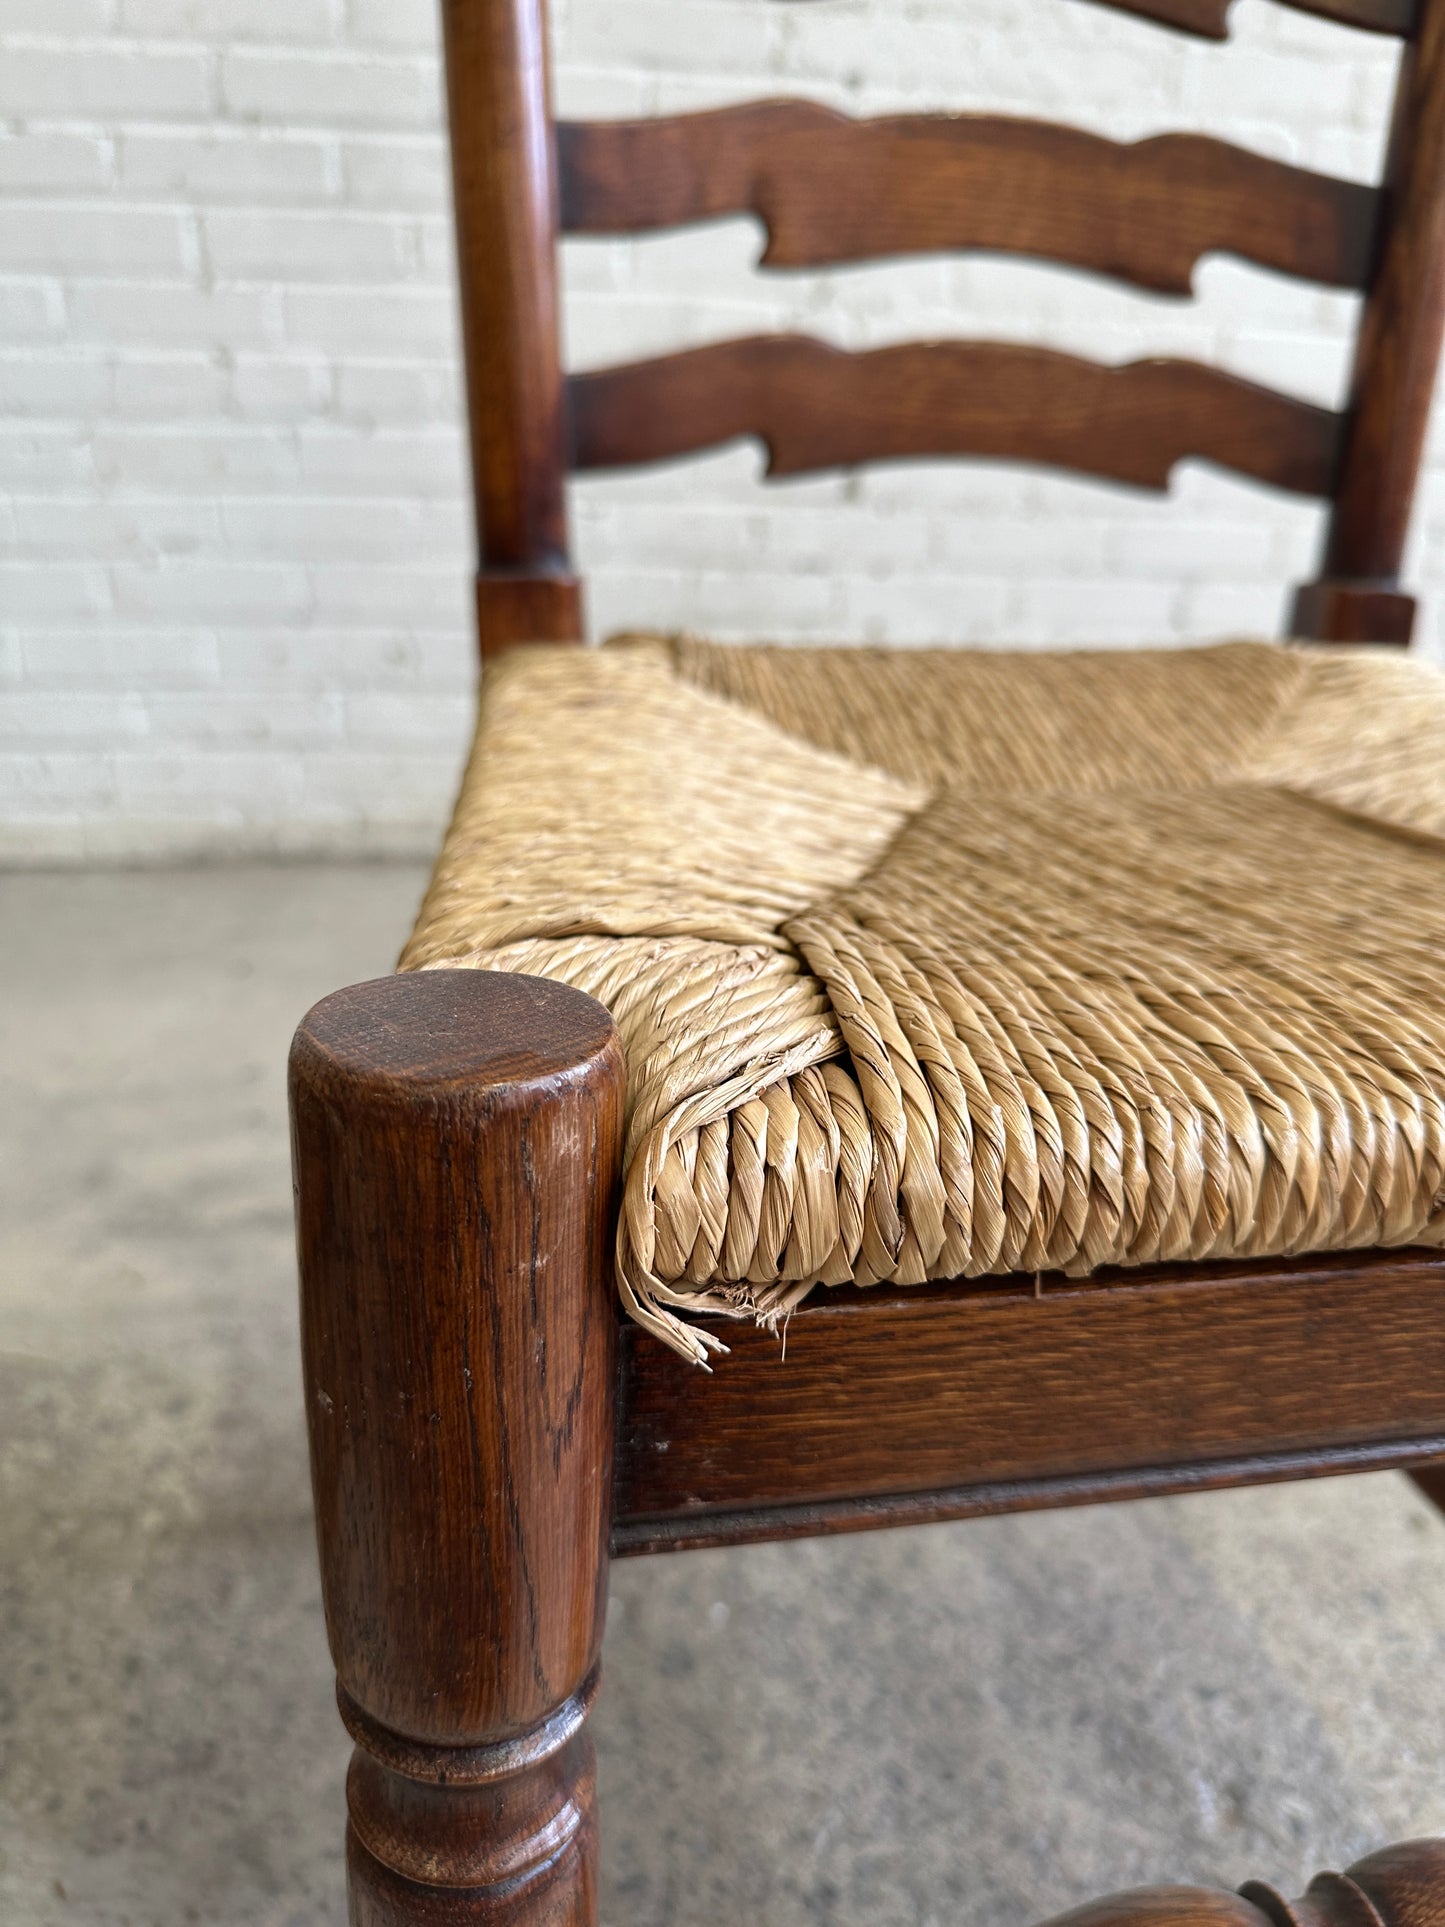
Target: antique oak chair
[[1133, 1226]]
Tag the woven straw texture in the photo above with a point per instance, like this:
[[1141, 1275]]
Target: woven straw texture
[[943, 963]]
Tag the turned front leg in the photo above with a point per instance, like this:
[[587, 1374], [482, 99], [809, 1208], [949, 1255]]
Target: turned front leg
[[456, 1138]]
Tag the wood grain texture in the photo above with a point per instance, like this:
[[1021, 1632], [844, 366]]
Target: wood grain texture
[[829, 188], [1167, 1907], [456, 1141], [1210, 18], [1402, 1886], [1398, 348], [906, 1395], [814, 406], [506, 217]]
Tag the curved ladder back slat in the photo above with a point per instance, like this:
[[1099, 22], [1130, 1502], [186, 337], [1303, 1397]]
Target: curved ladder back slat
[[1210, 18], [815, 407], [830, 189]]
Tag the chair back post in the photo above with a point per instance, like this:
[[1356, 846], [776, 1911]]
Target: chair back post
[[504, 183], [1357, 597]]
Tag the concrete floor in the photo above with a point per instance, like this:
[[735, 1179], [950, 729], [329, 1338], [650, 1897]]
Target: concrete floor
[[975, 1724]]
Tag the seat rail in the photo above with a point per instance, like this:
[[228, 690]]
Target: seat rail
[[899, 1406]]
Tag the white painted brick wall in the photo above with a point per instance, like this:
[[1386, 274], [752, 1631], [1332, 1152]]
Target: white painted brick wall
[[234, 546]]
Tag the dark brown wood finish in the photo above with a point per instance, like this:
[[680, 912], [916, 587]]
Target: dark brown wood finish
[[456, 1137], [1207, 18], [898, 1405], [1397, 17], [1396, 359], [506, 214], [1337, 611], [1210, 18], [815, 406], [517, 606], [830, 188], [1431, 1481], [1401, 1886], [753, 1525]]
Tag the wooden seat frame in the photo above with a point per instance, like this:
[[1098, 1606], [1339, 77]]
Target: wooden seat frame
[[486, 1432]]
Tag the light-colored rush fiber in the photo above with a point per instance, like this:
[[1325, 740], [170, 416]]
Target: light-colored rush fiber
[[950, 963]]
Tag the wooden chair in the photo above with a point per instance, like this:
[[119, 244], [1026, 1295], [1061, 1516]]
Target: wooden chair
[[486, 1431]]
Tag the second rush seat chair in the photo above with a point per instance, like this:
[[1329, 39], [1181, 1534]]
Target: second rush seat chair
[[1055, 1043]]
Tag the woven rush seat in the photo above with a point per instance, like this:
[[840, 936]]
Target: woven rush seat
[[947, 963]]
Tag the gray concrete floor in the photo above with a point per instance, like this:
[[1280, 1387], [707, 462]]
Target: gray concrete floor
[[975, 1724]]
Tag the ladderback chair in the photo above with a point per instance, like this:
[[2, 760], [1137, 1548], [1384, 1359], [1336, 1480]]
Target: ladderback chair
[[1089, 1009]]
